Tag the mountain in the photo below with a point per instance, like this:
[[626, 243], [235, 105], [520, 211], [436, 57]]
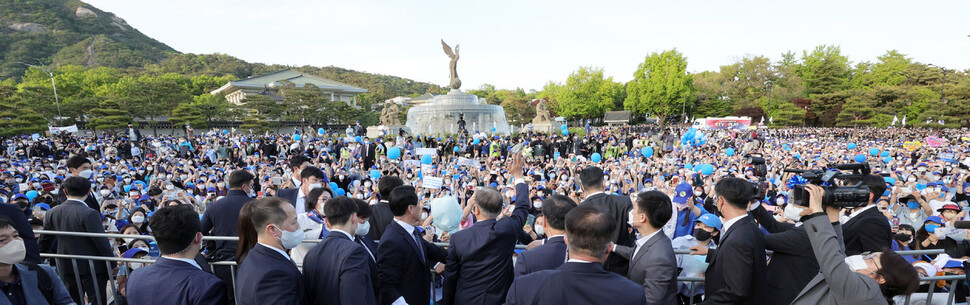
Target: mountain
[[71, 32]]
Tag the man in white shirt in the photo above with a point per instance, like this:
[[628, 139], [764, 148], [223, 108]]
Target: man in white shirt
[[311, 178], [178, 233]]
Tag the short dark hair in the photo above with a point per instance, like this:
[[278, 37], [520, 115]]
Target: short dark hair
[[555, 208], [657, 207], [591, 177], [265, 211], [6, 222], [297, 160], [735, 191], [388, 183], [175, 227], [76, 186], [238, 178], [589, 230], [489, 200], [339, 209], [400, 198], [877, 186], [311, 171], [314, 196], [77, 161], [901, 278], [363, 208]]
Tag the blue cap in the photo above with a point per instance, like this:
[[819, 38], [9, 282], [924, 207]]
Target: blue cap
[[682, 193], [935, 219], [953, 264], [42, 206], [19, 196], [710, 220], [131, 252]]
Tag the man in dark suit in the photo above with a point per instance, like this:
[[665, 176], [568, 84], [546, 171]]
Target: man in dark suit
[[867, 229], [23, 228], [337, 270], [381, 215], [311, 178], [403, 255], [582, 279], [793, 263], [652, 261], [221, 218], [616, 206], [369, 153], [737, 272], [296, 164], [552, 253], [267, 275], [132, 133], [479, 266], [79, 167], [361, 238], [176, 278], [75, 216]]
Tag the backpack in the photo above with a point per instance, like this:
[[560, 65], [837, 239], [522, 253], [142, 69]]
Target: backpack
[[44, 282]]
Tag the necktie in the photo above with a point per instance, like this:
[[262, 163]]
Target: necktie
[[417, 239]]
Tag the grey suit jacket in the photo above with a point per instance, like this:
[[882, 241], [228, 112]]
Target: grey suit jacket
[[75, 216], [849, 287], [654, 267]]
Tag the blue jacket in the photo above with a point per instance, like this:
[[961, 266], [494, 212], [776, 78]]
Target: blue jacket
[[267, 277], [179, 283], [402, 272], [222, 219], [32, 294], [479, 267], [575, 283], [337, 271], [549, 255]]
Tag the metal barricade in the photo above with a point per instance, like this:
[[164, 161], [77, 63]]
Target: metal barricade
[[111, 263]]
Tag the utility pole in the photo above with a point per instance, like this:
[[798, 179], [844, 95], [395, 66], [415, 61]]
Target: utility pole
[[43, 67]]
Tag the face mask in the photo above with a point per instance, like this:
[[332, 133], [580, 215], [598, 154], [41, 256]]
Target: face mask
[[904, 237], [13, 252], [780, 201], [150, 168], [424, 216], [137, 219], [363, 229], [169, 176], [105, 192], [36, 185], [702, 235], [127, 180], [793, 212], [537, 204], [135, 266], [315, 185], [141, 172], [86, 174], [220, 184], [290, 239], [367, 184], [629, 218], [856, 262], [698, 193], [540, 230], [359, 196], [931, 228], [912, 205]]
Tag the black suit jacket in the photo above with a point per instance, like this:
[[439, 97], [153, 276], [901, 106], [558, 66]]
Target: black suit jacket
[[737, 272], [290, 195], [90, 201], [174, 282], [20, 223], [575, 283], [337, 271], [479, 267], [868, 231], [402, 272], [222, 219], [793, 263], [618, 207], [371, 249], [380, 217], [75, 216], [267, 277], [550, 255]]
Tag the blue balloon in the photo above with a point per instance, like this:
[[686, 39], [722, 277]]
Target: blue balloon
[[688, 166], [321, 131], [426, 159], [476, 141], [797, 156], [596, 157], [358, 139], [707, 169], [340, 192], [493, 129], [647, 151], [394, 153], [786, 147], [851, 146], [296, 137], [457, 149], [375, 174], [890, 180], [225, 131], [333, 186], [564, 126], [565, 132], [860, 158], [874, 151], [884, 154], [887, 159], [729, 151]]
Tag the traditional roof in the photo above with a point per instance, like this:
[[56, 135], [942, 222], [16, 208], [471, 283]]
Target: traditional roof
[[277, 79]]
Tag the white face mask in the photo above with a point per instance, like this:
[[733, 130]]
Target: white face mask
[[13, 252], [793, 212], [630, 217], [362, 229], [540, 230], [424, 216], [137, 219], [315, 185], [698, 193], [105, 192], [856, 262], [86, 174], [537, 204], [780, 201], [290, 239], [367, 184]]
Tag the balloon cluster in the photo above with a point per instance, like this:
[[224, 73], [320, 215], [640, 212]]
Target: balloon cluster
[[693, 138]]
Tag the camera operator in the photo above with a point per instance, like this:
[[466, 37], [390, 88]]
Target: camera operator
[[866, 229], [852, 279], [792, 266]]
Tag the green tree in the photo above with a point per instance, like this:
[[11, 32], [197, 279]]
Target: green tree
[[787, 114], [936, 112], [857, 111], [16, 116], [188, 114], [825, 71], [108, 115], [660, 85], [586, 94]]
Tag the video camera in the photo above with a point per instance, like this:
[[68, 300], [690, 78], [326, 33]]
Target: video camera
[[757, 164], [847, 196]]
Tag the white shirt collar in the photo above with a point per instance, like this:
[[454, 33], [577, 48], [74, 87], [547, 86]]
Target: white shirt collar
[[574, 260], [859, 211], [407, 227], [281, 252], [727, 224], [296, 182], [644, 239], [299, 194], [594, 193], [187, 261], [341, 231]]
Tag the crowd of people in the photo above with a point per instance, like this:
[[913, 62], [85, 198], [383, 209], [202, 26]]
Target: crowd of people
[[528, 218]]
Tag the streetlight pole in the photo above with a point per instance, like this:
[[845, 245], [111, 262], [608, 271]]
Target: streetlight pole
[[43, 67]]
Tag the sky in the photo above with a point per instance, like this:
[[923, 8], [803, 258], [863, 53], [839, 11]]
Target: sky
[[526, 44]]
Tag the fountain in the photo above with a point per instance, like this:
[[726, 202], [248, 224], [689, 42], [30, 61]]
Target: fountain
[[440, 114]]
